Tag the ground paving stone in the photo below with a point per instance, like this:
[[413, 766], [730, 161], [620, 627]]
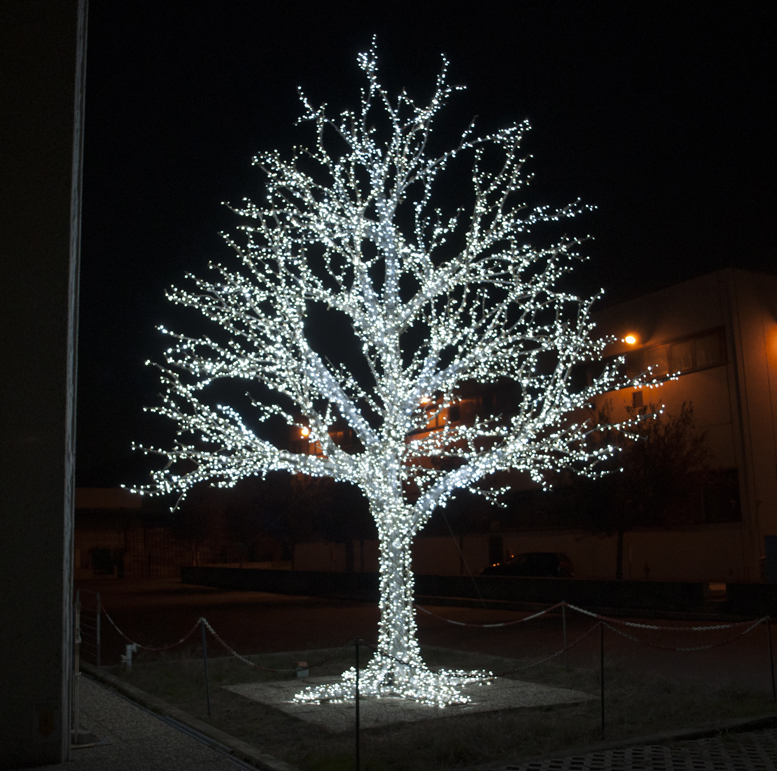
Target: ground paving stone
[[498, 695], [132, 739], [742, 751]]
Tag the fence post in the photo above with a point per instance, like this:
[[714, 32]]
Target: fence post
[[358, 758], [771, 655], [601, 669], [564, 627], [99, 609], [205, 662]]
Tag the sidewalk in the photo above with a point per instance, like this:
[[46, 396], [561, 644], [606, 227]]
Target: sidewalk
[[131, 738], [738, 750]]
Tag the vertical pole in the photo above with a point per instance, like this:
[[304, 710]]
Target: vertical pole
[[77, 672], [601, 669], [564, 627], [99, 613], [771, 655], [205, 662], [358, 758]]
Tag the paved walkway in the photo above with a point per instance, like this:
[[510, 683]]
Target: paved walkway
[[130, 738], [746, 751]]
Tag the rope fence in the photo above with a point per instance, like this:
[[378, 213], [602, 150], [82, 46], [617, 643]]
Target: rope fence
[[619, 626], [600, 620]]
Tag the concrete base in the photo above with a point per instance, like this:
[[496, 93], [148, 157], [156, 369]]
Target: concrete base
[[500, 694]]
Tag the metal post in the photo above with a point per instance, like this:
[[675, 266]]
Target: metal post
[[771, 655], [601, 669], [77, 672], [205, 662], [564, 627], [99, 610], [358, 758]]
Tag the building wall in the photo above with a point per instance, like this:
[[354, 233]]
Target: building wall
[[42, 54], [733, 403]]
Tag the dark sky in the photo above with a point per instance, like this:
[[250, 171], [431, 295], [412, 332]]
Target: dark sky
[[660, 114]]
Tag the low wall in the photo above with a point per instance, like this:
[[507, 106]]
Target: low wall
[[751, 599], [649, 595], [656, 595], [308, 583]]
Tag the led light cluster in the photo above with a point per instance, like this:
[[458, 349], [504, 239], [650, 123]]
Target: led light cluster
[[435, 302]]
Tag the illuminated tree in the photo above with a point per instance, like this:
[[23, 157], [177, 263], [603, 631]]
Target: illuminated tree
[[434, 302]]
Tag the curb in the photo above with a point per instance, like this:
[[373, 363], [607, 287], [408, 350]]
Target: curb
[[740, 725], [219, 739]]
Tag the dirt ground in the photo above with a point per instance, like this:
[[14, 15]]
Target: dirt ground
[[160, 612]]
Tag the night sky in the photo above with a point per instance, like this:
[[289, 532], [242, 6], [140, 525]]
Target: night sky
[[659, 114]]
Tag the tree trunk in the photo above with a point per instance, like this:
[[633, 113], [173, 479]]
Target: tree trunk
[[619, 556], [397, 631], [397, 668]]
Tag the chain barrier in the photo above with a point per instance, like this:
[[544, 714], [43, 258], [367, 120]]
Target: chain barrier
[[149, 647], [709, 628], [498, 674], [548, 658], [605, 620], [494, 625], [234, 653], [628, 636], [231, 650]]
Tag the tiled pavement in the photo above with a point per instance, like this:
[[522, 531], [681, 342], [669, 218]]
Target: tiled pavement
[[745, 751], [130, 738]]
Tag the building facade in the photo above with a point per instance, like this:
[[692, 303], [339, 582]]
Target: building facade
[[710, 342]]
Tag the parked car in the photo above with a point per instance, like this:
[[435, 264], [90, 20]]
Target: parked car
[[535, 563]]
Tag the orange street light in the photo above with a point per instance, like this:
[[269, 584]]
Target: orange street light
[[305, 431], [631, 339]]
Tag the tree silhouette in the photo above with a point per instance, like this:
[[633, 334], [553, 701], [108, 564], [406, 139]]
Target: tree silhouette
[[656, 477]]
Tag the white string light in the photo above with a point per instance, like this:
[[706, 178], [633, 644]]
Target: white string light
[[434, 302]]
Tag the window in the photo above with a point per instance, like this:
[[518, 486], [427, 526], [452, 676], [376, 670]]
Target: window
[[681, 356], [686, 355], [708, 350]]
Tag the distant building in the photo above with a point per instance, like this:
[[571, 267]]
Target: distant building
[[719, 332], [718, 335]]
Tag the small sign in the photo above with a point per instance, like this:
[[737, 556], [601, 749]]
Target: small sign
[[302, 669], [46, 721]]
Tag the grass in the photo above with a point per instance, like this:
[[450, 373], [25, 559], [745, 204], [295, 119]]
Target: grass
[[636, 704]]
